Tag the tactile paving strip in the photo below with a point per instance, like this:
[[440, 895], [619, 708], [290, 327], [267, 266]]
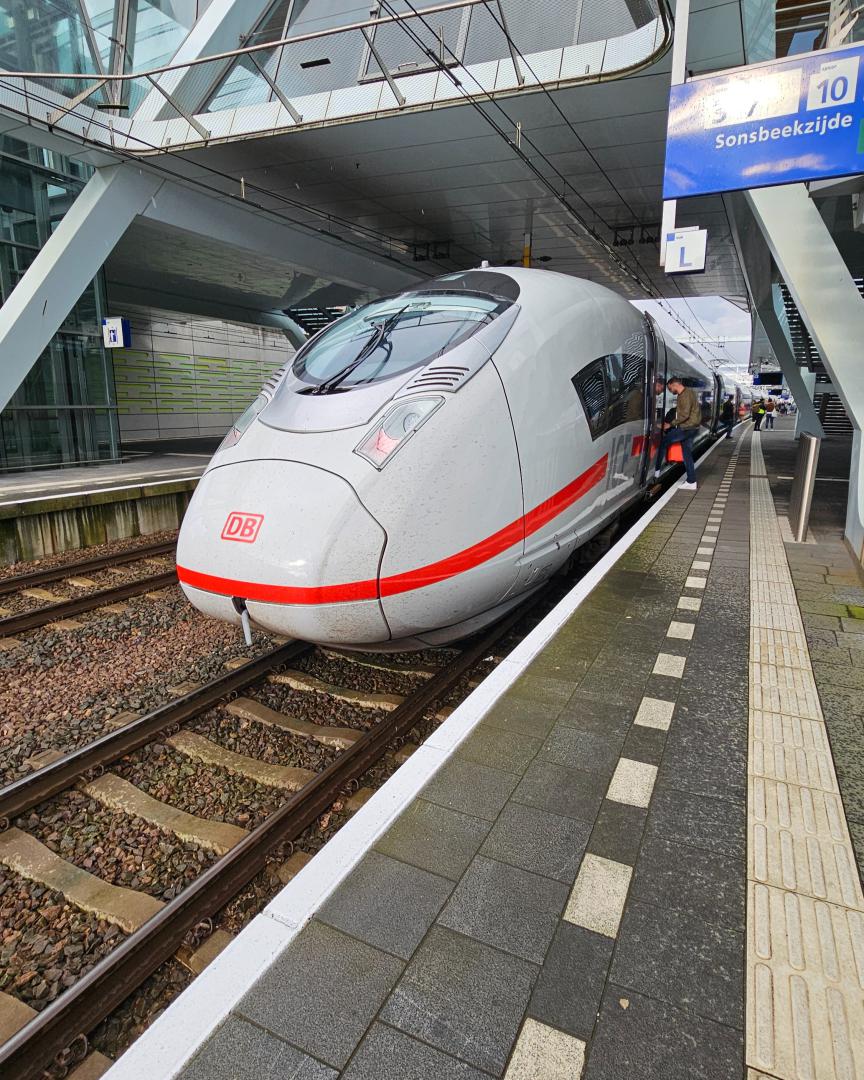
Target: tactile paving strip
[[805, 914]]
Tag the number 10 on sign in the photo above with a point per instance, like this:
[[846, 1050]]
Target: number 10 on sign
[[835, 83]]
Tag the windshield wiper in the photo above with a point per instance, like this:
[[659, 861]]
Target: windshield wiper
[[377, 339]]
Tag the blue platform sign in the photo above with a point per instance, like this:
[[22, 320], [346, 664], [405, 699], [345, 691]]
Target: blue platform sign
[[801, 118]]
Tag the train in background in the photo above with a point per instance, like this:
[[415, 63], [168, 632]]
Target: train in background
[[428, 460]]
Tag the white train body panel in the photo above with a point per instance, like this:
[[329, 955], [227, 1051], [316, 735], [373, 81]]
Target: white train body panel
[[486, 463]]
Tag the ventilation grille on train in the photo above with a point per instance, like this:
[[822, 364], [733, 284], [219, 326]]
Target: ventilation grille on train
[[270, 385], [439, 378]]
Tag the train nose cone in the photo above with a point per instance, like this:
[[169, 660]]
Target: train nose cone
[[292, 541]]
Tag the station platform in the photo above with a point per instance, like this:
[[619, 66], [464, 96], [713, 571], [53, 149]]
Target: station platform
[[630, 859], [48, 511], [82, 480]]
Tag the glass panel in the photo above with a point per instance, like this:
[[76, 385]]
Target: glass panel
[[101, 16], [396, 45], [590, 385], [49, 35], [389, 337], [156, 30], [63, 411]]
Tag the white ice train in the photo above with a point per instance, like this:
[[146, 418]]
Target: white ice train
[[431, 458]]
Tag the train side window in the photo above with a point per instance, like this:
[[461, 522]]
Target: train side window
[[626, 370], [590, 384]]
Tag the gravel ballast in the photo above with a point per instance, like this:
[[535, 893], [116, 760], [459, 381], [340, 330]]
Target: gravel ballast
[[46, 945], [59, 688], [118, 848]]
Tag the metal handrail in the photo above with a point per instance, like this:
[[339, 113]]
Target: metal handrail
[[233, 53]]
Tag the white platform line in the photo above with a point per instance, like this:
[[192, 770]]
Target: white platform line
[[163, 1049]]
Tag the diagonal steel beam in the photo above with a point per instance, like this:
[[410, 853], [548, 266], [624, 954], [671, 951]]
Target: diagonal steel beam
[[385, 71], [295, 116], [202, 131]]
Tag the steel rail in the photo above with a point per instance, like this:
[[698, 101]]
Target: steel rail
[[105, 986], [84, 566], [30, 790], [65, 609]]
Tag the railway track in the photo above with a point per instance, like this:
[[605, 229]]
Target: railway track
[[83, 566], [93, 997], [29, 586], [68, 609]]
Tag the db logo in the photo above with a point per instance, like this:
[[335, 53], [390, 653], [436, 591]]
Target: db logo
[[242, 527]]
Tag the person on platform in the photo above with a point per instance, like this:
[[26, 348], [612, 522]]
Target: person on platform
[[727, 416], [758, 413], [682, 429], [769, 413]]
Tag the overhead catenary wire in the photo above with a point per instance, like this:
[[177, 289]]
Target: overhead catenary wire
[[639, 276], [642, 279]]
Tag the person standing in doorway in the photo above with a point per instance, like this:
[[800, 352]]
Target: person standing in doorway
[[727, 416], [769, 413], [683, 429]]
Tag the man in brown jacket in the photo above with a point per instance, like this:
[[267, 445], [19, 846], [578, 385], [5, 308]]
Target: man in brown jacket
[[684, 428]]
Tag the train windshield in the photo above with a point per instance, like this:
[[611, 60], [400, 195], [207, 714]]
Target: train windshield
[[392, 336]]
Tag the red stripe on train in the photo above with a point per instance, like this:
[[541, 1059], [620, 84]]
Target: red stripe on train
[[412, 579]]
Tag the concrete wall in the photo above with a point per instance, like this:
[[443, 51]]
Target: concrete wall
[[31, 530], [187, 376]]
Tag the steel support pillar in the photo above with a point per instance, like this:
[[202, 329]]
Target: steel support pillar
[[809, 380], [68, 262], [755, 260], [808, 420], [831, 307]]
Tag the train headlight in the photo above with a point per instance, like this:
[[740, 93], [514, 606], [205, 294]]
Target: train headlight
[[395, 429], [242, 422]]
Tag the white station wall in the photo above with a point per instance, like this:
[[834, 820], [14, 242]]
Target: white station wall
[[188, 376]]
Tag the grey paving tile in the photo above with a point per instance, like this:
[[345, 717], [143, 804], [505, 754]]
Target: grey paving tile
[[836, 675], [560, 790], [597, 715], [563, 664], [434, 838], [471, 788], [506, 750], [618, 693], [644, 744], [708, 822], [462, 997], [674, 957], [504, 906], [579, 749], [522, 715], [388, 1054], [543, 688], [703, 765], [679, 877], [241, 1051], [322, 993], [856, 830], [387, 903], [617, 832], [536, 840], [568, 992], [824, 654]]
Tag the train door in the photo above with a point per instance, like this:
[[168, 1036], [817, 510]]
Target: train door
[[626, 374], [719, 397], [656, 400]]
